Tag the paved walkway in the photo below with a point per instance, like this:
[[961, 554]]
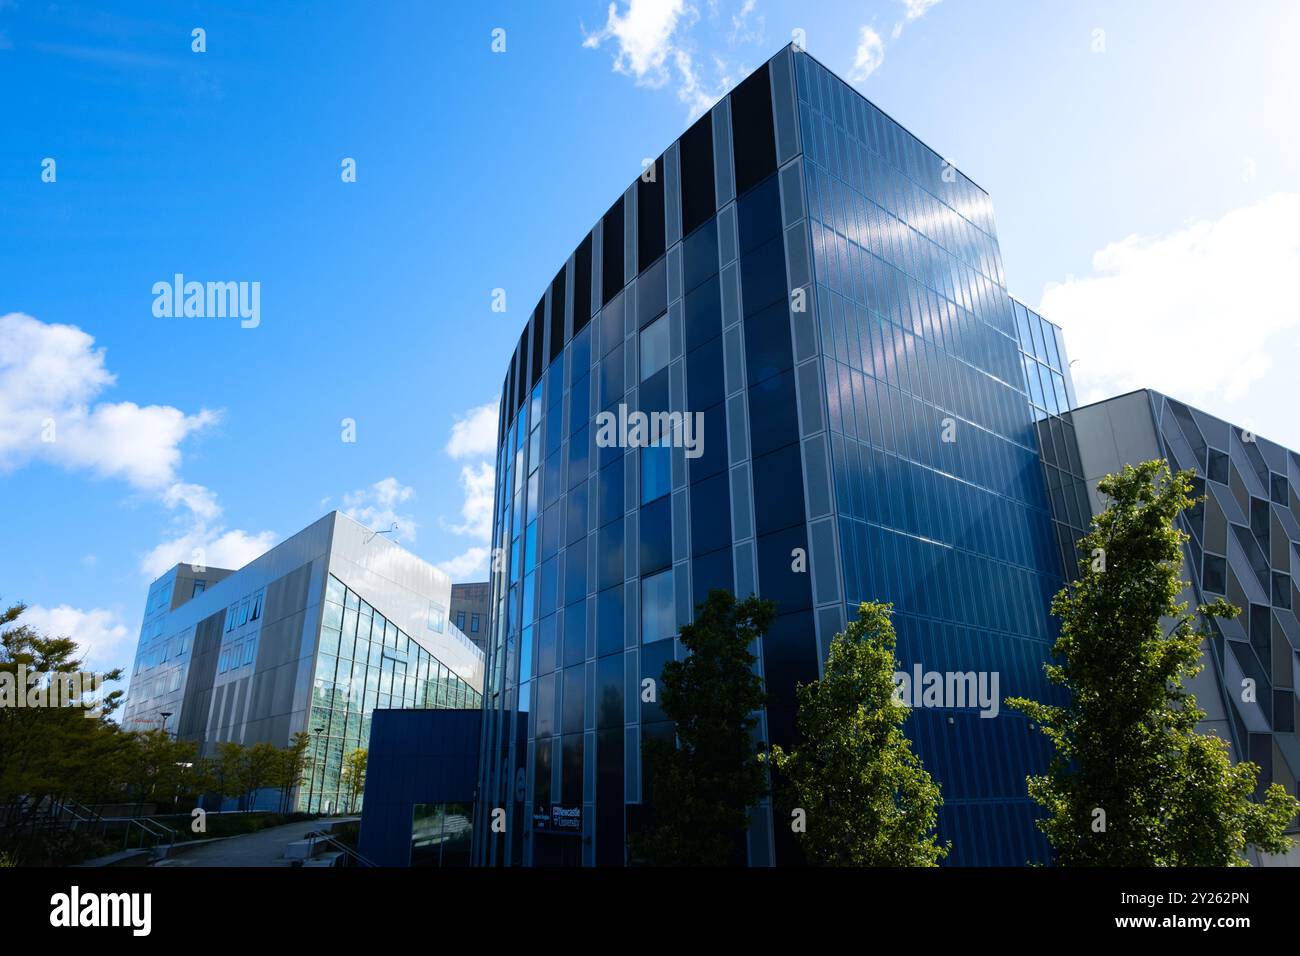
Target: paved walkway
[[263, 848]]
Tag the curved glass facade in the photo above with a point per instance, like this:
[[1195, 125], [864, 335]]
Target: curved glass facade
[[821, 297]]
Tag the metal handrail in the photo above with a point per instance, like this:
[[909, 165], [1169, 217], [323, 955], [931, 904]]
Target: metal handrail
[[337, 843]]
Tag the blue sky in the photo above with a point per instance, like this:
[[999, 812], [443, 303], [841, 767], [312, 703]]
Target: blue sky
[[1143, 161]]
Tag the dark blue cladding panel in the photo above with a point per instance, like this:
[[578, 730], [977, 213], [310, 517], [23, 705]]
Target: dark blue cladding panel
[[416, 756]]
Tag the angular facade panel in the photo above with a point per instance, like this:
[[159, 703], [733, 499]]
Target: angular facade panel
[[1243, 545]]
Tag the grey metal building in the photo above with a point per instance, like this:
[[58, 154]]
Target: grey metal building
[[1244, 546], [311, 636]]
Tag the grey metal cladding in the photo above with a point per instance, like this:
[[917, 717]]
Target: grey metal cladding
[[193, 720]]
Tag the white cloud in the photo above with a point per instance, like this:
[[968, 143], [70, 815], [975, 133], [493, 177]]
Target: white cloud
[[652, 42], [870, 54], [644, 35], [919, 8], [376, 507], [1197, 313], [915, 10], [475, 433], [49, 376], [698, 96], [470, 565], [195, 541], [477, 481], [104, 640], [741, 30]]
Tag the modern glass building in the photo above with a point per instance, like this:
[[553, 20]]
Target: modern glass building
[[826, 295], [312, 636], [1051, 396], [1244, 546]]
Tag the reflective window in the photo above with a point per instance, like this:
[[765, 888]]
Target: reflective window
[[705, 382], [656, 472], [700, 255], [767, 342], [610, 491], [711, 513], [574, 709], [658, 612], [575, 571], [575, 634], [759, 215], [762, 276], [611, 378], [656, 535], [703, 313], [1215, 576], [712, 571], [773, 414], [609, 555], [1278, 489], [655, 347], [652, 292], [609, 621]]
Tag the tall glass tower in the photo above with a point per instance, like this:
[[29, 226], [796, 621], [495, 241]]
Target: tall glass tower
[[824, 294]]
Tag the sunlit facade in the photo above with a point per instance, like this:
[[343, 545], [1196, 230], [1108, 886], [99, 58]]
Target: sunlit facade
[[1243, 545], [825, 295], [311, 637]]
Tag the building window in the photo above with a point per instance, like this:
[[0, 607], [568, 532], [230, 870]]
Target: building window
[[656, 472], [199, 587], [437, 617], [230, 617], [658, 616], [1218, 466], [460, 620], [257, 606], [1215, 575], [1278, 490], [473, 623], [655, 347], [1281, 590], [243, 613]]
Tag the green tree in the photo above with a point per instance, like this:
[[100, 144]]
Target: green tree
[[157, 768], [1131, 782], [853, 783], [293, 769], [229, 770], [353, 777], [701, 790], [262, 768], [52, 755]]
